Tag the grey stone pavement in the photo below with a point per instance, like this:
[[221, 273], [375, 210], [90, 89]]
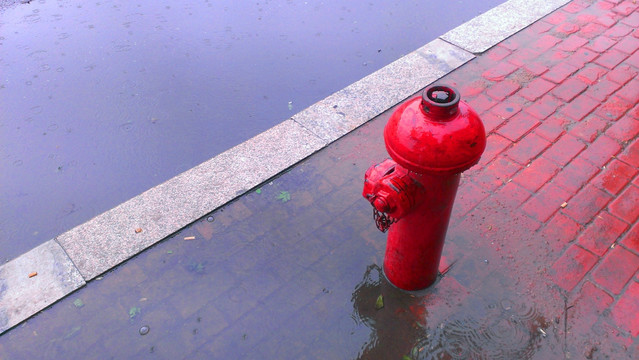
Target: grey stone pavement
[[269, 251]]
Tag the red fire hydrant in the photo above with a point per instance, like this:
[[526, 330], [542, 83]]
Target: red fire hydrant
[[431, 140]]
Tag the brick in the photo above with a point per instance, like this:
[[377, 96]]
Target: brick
[[497, 53], [622, 74], [544, 107], [601, 150], [527, 148], [615, 176], [616, 269], [602, 233], [628, 45], [536, 174], [572, 7], [606, 20], [633, 60], [564, 149], [499, 72], [569, 89], [552, 127], [522, 57], [614, 108], [586, 204], [625, 8], [507, 108], [625, 206], [491, 121], [592, 30], [573, 176], [544, 43], [581, 57], [546, 202], [572, 266], [591, 73], [495, 144], [618, 31], [497, 173], [560, 72], [482, 103], [632, 21], [535, 68], [540, 27], [555, 18], [630, 91], [600, 44], [572, 43], [589, 128], [517, 126], [580, 107], [502, 89], [611, 58], [631, 239], [583, 18], [602, 89], [589, 304], [560, 231], [631, 154], [624, 129], [472, 88], [567, 28], [468, 196], [512, 195], [624, 312], [536, 88]]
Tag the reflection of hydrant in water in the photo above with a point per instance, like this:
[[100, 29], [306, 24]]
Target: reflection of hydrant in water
[[431, 140]]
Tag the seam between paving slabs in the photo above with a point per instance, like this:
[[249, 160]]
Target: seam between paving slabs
[[67, 262]]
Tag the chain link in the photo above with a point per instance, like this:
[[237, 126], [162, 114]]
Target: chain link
[[382, 221]]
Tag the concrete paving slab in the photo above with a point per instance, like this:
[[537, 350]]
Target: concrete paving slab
[[361, 101], [118, 234], [34, 281], [488, 29]]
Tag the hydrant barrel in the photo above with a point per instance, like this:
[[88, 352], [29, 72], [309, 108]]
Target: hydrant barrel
[[431, 139]]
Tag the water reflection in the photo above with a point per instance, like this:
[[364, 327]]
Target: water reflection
[[396, 322]]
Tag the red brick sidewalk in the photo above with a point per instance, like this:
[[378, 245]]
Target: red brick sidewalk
[[560, 103]]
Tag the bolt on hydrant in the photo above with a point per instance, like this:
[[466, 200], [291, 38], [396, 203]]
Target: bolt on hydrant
[[431, 141]]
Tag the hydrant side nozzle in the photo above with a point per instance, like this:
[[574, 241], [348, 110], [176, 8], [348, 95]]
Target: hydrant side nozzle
[[381, 204]]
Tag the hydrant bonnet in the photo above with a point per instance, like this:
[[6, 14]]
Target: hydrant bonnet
[[437, 133]]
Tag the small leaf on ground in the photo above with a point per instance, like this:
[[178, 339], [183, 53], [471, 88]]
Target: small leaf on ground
[[284, 196], [259, 191], [78, 303], [379, 303], [133, 312]]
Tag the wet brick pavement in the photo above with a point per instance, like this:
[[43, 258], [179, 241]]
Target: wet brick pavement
[[541, 259]]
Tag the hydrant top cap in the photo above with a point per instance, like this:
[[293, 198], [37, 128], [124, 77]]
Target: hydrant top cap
[[437, 133]]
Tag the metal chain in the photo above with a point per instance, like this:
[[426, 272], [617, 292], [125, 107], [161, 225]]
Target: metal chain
[[382, 221]]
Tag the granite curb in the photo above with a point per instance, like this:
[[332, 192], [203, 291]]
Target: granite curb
[[49, 272]]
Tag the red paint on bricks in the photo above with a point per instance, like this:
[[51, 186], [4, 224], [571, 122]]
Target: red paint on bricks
[[496, 174], [626, 205], [536, 174], [589, 128], [600, 44], [536, 89], [615, 177], [622, 74], [499, 72], [586, 204], [591, 73], [631, 239], [552, 128], [546, 202], [631, 154], [572, 266], [527, 148], [512, 195], [560, 72], [601, 151], [502, 89], [572, 43], [495, 144], [564, 150], [517, 126], [579, 107], [589, 304], [544, 107], [569, 89], [602, 233], [624, 313], [616, 269], [573, 176], [624, 129], [602, 89], [614, 108], [611, 58], [560, 231]]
